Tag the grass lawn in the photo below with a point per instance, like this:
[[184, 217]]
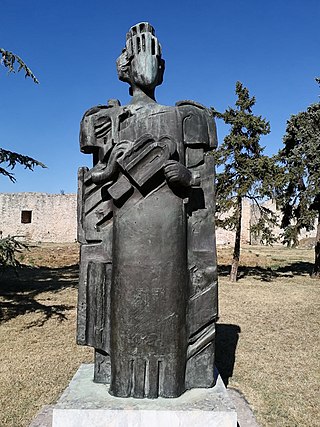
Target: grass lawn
[[267, 336]]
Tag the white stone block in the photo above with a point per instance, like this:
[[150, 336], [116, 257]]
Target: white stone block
[[85, 404]]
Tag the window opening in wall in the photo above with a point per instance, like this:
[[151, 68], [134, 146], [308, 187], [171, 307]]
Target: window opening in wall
[[26, 217]]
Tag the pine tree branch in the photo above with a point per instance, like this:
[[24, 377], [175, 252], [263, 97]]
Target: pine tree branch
[[10, 60], [12, 159], [9, 248]]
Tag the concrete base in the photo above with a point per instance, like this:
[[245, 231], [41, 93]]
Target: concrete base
[[85, 403]]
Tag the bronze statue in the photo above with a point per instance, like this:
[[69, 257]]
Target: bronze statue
[[148, 279]]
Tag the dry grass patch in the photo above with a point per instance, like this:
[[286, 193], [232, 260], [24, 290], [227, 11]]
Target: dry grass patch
[[276, 305], [268, 333], [52, 255], [38, 354]]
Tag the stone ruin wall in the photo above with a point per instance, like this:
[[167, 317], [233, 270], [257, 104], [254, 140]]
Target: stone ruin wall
[[226, 237], [54, 219], [53, 216], [306, 238]]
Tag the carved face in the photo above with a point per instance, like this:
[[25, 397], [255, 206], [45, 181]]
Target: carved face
[[140, 63]]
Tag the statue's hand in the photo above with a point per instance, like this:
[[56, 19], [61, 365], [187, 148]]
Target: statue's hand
[[111, 167], [119, 150], [177, 173], [146, 51]]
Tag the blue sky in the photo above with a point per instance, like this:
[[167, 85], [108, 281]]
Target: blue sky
[[272, 47]]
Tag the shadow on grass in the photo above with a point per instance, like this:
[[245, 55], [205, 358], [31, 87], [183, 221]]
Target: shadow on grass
[[19, 291], [267, 273], [227, 337]]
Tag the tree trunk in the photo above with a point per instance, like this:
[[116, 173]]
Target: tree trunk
[[316, 268], [236, 250]]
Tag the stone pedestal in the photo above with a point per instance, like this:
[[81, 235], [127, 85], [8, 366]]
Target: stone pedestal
[[85, 403]]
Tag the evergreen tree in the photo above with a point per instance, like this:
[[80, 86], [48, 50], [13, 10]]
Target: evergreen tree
[[243, 172], [10, 245], [299, 194], [9, 158]]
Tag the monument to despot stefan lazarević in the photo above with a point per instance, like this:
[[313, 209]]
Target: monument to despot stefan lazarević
[[148, 276]]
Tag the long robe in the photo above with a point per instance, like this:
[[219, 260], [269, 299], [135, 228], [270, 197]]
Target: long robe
[[148, 250]]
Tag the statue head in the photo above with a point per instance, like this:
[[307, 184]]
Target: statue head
[[140, 62]]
